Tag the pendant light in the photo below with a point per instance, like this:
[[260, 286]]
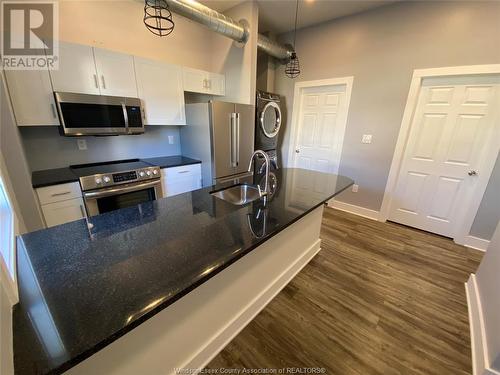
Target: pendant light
[[158, 17], [292, 69]]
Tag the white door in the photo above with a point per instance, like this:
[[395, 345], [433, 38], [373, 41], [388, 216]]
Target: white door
[[32, 97], [116, 73], [453, 124], [321, 124], [159, 86], [76, 71]]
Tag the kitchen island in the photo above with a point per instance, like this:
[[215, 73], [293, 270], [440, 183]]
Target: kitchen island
[[163, 285]]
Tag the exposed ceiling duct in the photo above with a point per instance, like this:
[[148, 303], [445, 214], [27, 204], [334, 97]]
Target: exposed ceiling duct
[[224, 25]]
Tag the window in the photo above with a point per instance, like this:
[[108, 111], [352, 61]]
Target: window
[[7, 230]]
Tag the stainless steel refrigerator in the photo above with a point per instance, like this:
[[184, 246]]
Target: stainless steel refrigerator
[[221, 135]]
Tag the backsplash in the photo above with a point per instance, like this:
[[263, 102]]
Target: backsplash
[[45, 148]]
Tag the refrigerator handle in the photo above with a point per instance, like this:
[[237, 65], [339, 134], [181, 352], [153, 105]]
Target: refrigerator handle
[[237, 139], [233, 156]]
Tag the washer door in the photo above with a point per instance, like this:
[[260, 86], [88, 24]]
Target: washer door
[[270, 119]]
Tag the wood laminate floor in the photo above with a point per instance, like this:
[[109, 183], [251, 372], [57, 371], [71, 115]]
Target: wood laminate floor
[[379, 298]]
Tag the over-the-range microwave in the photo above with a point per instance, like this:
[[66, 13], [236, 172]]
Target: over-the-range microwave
[[83, 114]]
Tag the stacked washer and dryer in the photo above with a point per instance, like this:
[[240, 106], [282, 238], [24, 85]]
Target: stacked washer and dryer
[[267, 125]]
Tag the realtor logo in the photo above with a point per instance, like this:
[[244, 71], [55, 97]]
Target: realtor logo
[[29, 35]]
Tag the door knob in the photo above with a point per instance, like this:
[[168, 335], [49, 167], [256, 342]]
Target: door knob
[[297, 151], [472, 173]]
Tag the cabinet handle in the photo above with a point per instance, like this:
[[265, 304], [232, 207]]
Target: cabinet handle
[[82, 210], [96, 81], [53, 107], [103, 82], [183, 172], [204, 83], [59, 194]]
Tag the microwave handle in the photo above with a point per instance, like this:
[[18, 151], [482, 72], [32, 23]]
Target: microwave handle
[[125, 116], [120, 189]]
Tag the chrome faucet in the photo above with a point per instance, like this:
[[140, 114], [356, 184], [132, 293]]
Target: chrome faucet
[[267, 163]]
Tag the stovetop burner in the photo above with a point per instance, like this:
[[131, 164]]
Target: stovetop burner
[[82, 170]]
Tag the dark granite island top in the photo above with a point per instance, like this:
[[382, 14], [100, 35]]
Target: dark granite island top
[[80, 289]]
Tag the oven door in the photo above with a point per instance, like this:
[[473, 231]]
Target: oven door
[[110, 199]]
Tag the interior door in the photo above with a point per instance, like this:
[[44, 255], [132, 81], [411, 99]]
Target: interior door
[[321, 125], [76, 71], [116, 73], [222, 135], [246, 130], [453, 122]]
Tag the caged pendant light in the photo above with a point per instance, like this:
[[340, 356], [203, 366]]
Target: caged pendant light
[[158, 17], [292, 69]]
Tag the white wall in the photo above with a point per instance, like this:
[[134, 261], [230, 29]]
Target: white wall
[[488, 281], [381, 48]]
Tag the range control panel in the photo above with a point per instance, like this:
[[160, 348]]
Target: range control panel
[[98, 181]]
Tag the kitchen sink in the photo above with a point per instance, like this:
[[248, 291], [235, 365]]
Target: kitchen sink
[[238, 194]]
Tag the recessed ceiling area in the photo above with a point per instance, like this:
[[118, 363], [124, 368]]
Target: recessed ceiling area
[[278, 16]]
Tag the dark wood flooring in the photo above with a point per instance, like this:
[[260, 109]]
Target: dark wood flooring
[[379, 298]]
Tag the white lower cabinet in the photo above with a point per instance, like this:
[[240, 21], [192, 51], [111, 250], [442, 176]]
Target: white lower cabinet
[[61, 203], [178, 180], [63, 211]]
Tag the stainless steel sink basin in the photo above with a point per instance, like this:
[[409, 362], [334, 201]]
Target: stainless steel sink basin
[[239, 194]]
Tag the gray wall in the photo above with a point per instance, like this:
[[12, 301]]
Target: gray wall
[[488, 279], [19, 174], [381, 48], [46, 149], [488, 214]]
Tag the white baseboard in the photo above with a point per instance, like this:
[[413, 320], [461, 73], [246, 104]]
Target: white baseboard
[[353, 209], [480, 362], [476, 243]]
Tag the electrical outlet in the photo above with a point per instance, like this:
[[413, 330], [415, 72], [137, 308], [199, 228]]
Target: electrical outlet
[[355, 188], [367, 138], [82, 144], [170, 139]]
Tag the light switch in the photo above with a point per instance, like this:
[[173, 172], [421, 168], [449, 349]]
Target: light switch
[[170, 139], [367, 138], [82, 144]]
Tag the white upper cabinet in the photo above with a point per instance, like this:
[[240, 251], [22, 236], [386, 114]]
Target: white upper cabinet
[[88, 70], [115, 73], [159, 87], [203, 82], [32, 98], [76, 71]]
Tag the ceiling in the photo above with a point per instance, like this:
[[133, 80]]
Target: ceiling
[[278, 16]]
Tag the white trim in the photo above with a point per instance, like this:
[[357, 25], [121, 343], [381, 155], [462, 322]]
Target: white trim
[[347, 81], [469, 211], [479, 348], [353, 209], [226, 334], [476, 243]]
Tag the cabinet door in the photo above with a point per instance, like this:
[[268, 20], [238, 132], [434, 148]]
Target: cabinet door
[[115, 72], [159, 86], [63, 211], [195, 80], [76, 71], [216, 84], [32, 97]]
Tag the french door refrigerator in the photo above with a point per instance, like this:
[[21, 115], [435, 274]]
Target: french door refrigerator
[[221, 135]]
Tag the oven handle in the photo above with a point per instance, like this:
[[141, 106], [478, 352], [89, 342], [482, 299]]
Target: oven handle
[[123, 189]]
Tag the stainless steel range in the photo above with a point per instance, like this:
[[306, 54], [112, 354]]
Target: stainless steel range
[[110, 186]]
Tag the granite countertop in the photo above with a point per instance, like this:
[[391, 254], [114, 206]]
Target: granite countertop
[[80, 289], [57, 176]]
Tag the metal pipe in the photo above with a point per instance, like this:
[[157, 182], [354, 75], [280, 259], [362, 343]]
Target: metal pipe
[[228, 27]]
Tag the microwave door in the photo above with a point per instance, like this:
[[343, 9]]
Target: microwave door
[[88, 119]]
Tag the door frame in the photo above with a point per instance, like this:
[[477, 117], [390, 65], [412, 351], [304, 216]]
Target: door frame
[[299, 87], [468, 212]]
